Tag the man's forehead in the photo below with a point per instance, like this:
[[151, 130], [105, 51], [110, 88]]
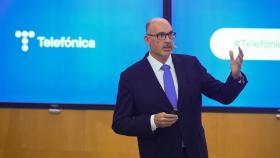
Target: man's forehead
[[160, 26]]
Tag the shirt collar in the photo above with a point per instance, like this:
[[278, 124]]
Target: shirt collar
[[157, 65]]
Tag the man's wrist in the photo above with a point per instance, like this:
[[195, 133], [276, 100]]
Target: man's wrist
[[237, 76]]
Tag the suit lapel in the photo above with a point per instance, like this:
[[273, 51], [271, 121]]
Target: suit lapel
[[183, 80]]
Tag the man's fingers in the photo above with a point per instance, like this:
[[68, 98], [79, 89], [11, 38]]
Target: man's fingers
[[166, 123], [240, 52], [239, 59], [231, 55], [165, 120], [170, 116]]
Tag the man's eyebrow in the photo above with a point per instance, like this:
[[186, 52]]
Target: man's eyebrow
[[164, 32]]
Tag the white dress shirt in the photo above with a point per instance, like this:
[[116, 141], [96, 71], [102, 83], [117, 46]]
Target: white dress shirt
[[156, 66]]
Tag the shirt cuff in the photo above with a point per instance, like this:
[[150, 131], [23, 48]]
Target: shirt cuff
[[241, 79], [153, 125]]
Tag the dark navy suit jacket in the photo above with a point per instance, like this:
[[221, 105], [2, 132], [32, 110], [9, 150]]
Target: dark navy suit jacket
[[140, 95]]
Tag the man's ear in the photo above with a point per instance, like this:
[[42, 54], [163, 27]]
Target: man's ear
[[147, 40]]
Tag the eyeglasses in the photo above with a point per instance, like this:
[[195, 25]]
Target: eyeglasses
[[162, 35]]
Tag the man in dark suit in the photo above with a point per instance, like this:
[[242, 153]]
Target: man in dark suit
[[159, 97]]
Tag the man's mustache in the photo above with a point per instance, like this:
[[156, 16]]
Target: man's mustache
[[170, 45]]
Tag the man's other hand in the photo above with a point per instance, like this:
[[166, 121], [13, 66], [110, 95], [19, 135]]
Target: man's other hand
[[236, 64], [165, 120]]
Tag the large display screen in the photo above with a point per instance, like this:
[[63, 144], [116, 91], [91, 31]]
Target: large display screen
[[209, 29], [54, 51]]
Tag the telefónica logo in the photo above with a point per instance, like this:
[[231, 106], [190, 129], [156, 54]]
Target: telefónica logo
[[52, 42], [25, 36]]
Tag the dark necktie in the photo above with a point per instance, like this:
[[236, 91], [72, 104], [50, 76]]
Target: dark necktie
[[169, 85]]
